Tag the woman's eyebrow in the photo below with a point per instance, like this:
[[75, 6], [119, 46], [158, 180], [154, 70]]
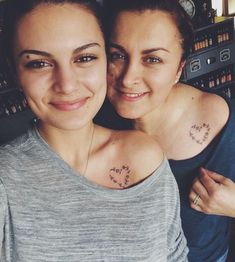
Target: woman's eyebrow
[[151, 50], [43, 53], [144, 52], [86, 46], [34, 52]]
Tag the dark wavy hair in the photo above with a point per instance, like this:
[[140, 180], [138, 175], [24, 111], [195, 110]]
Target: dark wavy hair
[[114, 7]]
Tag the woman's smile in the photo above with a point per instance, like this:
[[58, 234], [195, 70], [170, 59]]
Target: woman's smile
[[69, 105], [132, 97]]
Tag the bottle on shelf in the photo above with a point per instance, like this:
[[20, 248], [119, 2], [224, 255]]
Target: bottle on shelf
[[210, 40], [223, 77], [211, 81], [229, 76]]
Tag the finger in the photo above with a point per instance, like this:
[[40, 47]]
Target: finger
[[197, 208], [217, 177], [200, 207], [209, 184], [192, 195], [194, 198], [199, 188], [195, 201]]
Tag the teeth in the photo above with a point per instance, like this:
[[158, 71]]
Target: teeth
[[134, 95]]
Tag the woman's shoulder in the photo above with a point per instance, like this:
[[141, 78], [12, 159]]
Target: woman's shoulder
[[207, 105], [215, 108], [140, 150], [140, 142], [12, 151]]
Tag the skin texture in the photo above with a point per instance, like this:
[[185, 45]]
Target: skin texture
[[143, 72], [64, 83], [62, 72], [217, 194], [60, 61], [146, 70]]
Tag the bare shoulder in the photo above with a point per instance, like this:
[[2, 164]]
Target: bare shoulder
[[142, 151], [122, 158], [215, 108], [142, 143], [208, 107]]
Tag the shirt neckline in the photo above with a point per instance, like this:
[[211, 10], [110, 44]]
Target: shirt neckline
[[104, 191], [216, 141]]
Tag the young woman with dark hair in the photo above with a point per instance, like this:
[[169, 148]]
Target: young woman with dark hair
[[148, 42], [71, 190]]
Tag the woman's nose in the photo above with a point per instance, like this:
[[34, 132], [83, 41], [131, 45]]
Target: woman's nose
[[131, 75], [65, 80]]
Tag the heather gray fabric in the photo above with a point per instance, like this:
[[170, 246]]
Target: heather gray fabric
[[48, 212]]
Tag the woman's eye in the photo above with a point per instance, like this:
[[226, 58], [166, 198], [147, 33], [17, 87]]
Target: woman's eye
[[37, 64], [85, 59], [116, 56], [152, 60]]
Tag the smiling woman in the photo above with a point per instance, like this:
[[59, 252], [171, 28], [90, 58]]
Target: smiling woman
[[71, 190], [72, 74], [148, 42]]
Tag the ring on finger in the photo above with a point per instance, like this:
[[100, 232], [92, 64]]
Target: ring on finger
[[196, 199]]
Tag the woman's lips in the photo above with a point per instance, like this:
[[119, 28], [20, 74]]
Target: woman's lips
[[132, 97], [68, 105]]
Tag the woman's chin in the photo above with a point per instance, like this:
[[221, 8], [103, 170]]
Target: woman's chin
[[128, 114]]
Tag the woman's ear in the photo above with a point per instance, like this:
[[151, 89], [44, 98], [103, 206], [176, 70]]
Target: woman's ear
[[179, 72]]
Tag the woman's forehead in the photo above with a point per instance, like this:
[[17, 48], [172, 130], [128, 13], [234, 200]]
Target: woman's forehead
[[146, 26]]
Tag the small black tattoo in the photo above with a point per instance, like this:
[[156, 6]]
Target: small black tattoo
[[120, 176], [199, 133]]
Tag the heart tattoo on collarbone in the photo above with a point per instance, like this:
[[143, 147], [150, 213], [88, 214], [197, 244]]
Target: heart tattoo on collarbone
[[120, 176], [199, 133]]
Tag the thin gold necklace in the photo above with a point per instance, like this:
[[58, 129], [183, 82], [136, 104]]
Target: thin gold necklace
[[89, 151]]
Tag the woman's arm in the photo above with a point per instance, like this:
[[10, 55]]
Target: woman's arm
[[212, 193]]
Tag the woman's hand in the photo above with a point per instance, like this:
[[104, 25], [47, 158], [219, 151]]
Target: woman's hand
[[212, 193]]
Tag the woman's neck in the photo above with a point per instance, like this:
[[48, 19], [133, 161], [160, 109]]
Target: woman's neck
[[155, 121], [71, 145], [166, 115]]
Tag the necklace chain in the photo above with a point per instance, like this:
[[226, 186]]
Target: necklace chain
[[89, 151]]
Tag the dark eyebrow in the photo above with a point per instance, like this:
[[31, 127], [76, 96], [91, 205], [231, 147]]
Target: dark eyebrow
[[83, 47], [43, 53], [145, 52], [148, 51], [33, 52]]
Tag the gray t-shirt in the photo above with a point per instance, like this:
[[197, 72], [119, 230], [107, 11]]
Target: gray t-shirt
[[50, 213]]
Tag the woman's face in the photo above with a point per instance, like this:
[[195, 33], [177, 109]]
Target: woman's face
[[144, 62], [61, 64]]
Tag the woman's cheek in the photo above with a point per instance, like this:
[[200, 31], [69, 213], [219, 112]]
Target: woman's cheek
[[113, 75], [111, 81]]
